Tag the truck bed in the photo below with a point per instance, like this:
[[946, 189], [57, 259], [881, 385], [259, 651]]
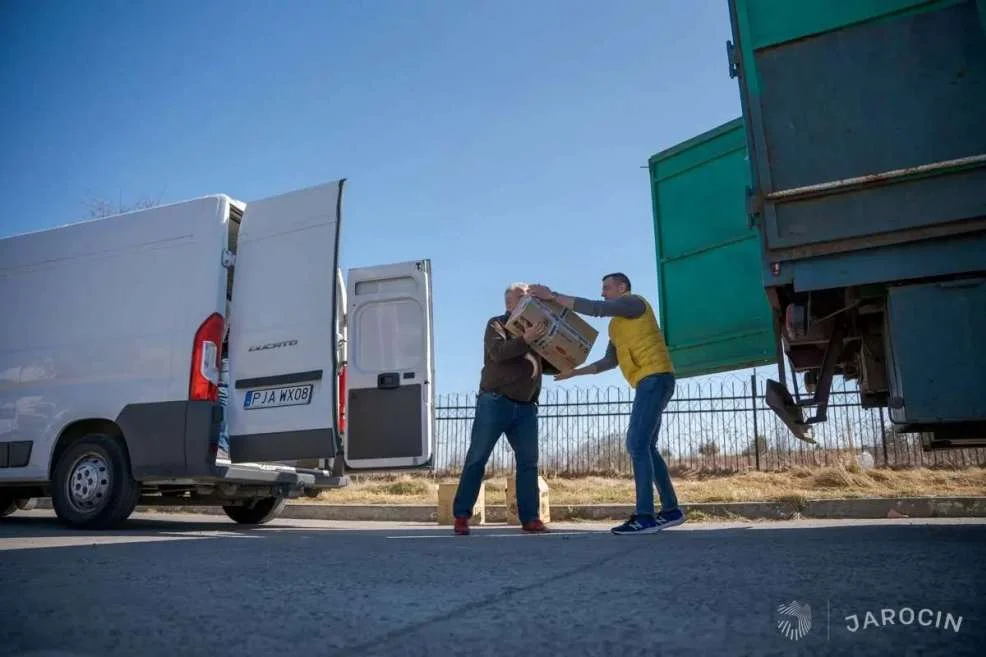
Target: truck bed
[[863, 222], [863, 120]]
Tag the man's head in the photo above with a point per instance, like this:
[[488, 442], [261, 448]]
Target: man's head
[[513, 294], [615, 285]]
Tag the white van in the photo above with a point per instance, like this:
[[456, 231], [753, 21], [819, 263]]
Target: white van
[[114, 333]]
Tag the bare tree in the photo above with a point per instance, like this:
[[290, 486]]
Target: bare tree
[[758, 444], [709, 449], [100, 207]]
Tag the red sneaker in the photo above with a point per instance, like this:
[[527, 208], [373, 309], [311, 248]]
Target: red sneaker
[[535, 527], [462, 526]]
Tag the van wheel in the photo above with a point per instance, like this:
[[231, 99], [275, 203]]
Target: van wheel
[[8, 503], [92, 487], [262, 511]]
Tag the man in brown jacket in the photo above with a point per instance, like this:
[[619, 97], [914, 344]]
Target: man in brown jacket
[[509, 387]]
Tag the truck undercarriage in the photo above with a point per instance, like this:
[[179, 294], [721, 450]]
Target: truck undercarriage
[[849, 332]]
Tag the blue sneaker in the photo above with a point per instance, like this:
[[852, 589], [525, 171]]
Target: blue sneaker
[[670, 518], [637, 524]]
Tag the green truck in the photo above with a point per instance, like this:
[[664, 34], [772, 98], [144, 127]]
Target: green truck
[[838, 227]]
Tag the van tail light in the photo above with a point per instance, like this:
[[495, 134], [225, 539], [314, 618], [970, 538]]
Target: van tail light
[[342, 399], [203, 383]]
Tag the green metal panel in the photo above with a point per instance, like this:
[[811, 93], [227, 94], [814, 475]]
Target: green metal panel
[[712, 304], [772, 22], [833, 91], [764, 23]]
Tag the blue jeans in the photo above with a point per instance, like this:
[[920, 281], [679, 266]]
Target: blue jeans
[[651, 398], [496, 415]]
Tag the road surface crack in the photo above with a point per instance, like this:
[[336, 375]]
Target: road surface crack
[[485, 601]]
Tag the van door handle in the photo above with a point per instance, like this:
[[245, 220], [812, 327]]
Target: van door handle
[[388, 380]]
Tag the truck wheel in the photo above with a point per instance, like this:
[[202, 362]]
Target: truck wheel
[[258, 513], [8, 503], [92, 487]]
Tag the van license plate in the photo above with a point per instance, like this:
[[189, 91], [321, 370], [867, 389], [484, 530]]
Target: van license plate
[[277, 397]]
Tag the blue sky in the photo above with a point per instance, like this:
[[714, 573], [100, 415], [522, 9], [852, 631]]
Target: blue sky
[[504, 140]]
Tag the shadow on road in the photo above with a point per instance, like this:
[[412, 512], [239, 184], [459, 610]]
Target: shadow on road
[[35, 526], [42, 526], [372, 589], [39, 527]]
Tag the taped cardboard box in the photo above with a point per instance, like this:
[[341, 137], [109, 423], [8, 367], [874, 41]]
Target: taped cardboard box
[[569, 338]]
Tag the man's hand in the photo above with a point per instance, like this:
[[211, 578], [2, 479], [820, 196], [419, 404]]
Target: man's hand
[[541, 292], [544, 293], [535, 332], [582, 371]]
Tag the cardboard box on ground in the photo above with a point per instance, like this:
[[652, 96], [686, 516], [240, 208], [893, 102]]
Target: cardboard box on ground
[[569, 339]]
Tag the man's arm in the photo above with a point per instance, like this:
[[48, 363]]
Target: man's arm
[[629, 306], [500, 346], [607, 362]]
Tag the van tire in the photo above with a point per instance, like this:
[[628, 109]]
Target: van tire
[[8, 503], [260, 512], [92, 486]]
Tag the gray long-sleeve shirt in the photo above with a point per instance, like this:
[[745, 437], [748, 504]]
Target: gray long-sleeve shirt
[[629, 306]]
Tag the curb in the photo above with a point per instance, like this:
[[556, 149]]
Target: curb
[[913, 507], [830, 509]]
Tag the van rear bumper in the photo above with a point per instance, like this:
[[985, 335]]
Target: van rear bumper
[[177, 441], [172, 440]]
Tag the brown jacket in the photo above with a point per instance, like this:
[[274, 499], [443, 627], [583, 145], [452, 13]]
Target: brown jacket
[[510, 367]]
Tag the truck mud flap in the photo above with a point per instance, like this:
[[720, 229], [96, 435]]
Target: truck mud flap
[[782, 403]]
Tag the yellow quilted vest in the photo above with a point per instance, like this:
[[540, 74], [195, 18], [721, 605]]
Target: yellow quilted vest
[[640, 347]]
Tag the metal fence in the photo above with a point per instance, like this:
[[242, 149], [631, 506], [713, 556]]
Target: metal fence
[[720, 426]]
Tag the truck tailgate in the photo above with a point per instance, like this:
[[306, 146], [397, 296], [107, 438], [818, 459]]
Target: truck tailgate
[[864, 120], [712, 307]]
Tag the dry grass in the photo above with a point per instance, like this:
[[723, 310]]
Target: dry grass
[[798, 484]]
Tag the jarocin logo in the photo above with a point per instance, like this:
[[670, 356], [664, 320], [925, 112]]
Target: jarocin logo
[[273, 345], [794, 619], [903, 616]]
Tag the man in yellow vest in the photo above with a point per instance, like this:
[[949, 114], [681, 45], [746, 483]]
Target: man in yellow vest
[[637, 345]]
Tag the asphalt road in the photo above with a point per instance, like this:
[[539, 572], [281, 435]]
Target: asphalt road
[[194, 585]]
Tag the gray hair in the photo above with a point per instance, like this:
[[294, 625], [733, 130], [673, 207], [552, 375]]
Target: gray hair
[[523, 287]]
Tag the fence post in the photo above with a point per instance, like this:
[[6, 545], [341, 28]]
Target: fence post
[[883, 438], [756, 426]]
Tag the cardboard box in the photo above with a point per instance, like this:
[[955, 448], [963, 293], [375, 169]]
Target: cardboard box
[[569, 339], [446, 495]]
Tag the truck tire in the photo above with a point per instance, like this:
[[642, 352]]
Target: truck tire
[[8, 503], [262, 511], [92, 486]]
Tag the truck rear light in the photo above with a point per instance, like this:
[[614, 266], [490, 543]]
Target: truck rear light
[[203, 383], [342, 399]]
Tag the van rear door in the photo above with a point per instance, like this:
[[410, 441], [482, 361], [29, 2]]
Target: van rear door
[[282, 347], [390, 370]]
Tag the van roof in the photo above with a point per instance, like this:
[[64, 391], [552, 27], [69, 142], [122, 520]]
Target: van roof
[[239, 205]]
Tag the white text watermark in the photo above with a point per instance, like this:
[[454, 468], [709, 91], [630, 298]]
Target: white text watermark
[[794, 619], [923, 617]]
